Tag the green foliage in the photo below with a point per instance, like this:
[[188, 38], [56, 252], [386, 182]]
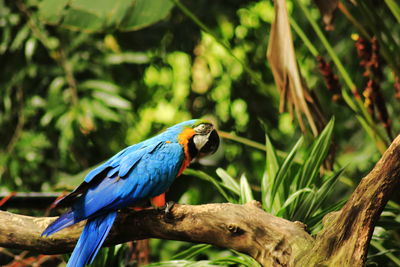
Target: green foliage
[[83, 15]]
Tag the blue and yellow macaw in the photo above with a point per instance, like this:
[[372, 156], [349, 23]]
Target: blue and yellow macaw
[[139, 172]]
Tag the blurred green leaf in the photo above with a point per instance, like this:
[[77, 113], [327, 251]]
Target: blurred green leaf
[[128, 57], [101, 111], [83, 15], [112, 100], [191, 252], [103, 86]]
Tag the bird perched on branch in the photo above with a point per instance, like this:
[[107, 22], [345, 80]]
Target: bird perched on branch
[[139, 172]]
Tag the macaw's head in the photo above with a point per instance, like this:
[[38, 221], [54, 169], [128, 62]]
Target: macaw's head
[[205, 139], [199, 138]]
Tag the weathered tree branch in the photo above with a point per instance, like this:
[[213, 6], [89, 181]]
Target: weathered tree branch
[[246, 228]]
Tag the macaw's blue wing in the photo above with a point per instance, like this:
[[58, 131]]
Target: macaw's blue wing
[[97, 174], [143, 174], [126, 179]]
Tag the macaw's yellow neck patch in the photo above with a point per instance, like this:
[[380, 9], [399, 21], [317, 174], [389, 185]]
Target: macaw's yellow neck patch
[[183, 139]]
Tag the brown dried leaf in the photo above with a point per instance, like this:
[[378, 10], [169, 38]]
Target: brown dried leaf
[[282, 59]]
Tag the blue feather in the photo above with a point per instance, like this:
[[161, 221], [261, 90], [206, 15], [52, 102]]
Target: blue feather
[[93, 236], [65, 220]]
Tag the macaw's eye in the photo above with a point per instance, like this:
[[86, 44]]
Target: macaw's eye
[[211, 145], [203, 128]]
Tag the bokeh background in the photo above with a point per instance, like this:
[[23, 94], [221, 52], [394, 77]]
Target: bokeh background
[[80, 81]]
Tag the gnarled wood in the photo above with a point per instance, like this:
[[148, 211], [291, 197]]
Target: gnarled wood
[[245, 228]]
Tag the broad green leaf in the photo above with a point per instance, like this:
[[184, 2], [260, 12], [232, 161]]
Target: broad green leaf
[[102, 15], [228, 181], [145, 13], [76, 19], [51, 10], [246, 194]]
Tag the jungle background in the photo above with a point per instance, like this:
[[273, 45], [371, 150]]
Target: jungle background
[[80, 81]]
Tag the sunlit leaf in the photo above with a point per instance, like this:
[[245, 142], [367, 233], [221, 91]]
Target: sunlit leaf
[[228, 181], [271, 168], [246, 195]]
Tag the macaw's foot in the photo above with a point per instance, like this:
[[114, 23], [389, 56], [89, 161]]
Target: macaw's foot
[[168, 216]]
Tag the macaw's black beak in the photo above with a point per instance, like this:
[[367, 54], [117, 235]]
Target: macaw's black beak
[[211, 145]]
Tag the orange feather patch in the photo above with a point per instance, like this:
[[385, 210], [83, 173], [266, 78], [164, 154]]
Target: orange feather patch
[[183, 139]]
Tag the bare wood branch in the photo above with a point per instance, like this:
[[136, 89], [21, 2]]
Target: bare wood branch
[[245, 228]]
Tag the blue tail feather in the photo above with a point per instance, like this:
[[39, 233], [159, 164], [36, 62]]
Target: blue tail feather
[[65, 220], [91, 239]]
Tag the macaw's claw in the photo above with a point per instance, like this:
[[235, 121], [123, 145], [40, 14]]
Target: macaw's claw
[[168, 216]]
